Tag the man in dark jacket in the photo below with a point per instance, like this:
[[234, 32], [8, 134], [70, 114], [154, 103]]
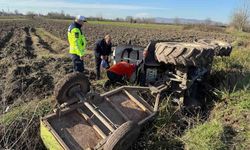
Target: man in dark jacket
[[102, 52]]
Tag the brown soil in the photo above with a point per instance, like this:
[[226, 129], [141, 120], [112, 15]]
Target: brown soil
[[75, 131], [29, 68]]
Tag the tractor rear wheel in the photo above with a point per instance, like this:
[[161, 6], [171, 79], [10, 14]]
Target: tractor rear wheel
[[184, 54]]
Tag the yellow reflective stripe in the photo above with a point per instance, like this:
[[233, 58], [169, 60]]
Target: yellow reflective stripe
[[84, 42], [48, 138], [77, 45]]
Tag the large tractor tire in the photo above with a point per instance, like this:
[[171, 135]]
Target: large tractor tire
[[220, 48], [67, 86], [123, 137], [184, 54]]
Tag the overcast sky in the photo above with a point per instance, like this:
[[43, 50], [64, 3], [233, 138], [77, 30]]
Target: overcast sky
[[217, 10]]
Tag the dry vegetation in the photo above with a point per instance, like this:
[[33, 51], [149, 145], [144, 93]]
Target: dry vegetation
[[33, 57]]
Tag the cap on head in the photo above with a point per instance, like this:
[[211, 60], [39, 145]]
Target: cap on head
[[81, 18]]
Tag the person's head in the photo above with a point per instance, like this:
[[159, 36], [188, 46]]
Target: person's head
[[80, 19], [107, 39], [145, 53]]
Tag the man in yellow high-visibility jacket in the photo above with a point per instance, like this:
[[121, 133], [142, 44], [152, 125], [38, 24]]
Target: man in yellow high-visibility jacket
[[77, 42]]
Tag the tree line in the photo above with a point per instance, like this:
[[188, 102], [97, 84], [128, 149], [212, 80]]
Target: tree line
[[30, 14], [240, 17]]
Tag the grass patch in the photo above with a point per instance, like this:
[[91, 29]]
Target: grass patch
[[19, 127], [234, 72], [37, 107], [12, 18], [138, 25], [228, 126], [234, 113], [205, 136]]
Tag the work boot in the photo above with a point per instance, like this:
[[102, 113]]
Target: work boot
[[107, 84], [98, 77]]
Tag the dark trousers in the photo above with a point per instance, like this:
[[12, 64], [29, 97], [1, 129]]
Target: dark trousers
[[78, 65], [113, 77], [98, 61]]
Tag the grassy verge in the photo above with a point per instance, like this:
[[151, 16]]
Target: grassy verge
[[11, 18], [228, 124], [36, 107], [19, 127], [227, 127]]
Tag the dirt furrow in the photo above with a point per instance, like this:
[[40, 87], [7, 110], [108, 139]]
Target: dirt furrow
[[6, 37], [19, 46], [50, 42], [41, 47], [4, 40], [28, 43], [23, 75]]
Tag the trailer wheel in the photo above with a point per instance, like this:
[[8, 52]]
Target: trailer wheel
[[123, 137], [67, 86]]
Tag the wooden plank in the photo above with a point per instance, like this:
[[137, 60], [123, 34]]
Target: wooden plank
[[157, 102], [136, 101], [112, 92], [161, 86], [143, 101], [104, 115], [97, 129], [55, 134], [136, 87], [96, 113], [124, 87], [118, 110]]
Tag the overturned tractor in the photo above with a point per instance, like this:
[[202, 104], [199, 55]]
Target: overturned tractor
[[182, 66]]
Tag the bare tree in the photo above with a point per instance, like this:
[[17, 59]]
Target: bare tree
[[16, 12], [30, 14], [208, 22], [241, 16], [177, 21], [129, 19], [99, 17]]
